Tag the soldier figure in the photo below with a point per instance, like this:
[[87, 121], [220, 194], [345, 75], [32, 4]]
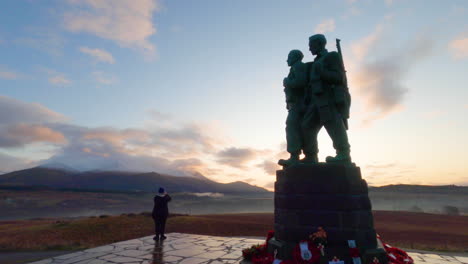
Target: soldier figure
[[294, 88], [328, 103]]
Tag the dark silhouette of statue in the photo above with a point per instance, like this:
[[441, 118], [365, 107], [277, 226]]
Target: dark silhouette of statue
[[326, 102], [160, 213], [294, 87]]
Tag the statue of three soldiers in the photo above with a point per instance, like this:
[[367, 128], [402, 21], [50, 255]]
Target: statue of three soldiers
[[316, 95]]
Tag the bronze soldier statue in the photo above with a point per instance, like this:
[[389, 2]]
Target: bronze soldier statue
[[328, 103], [316, 95], [294, 88]]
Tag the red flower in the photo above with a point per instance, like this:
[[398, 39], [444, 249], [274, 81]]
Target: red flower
[[254, 251], [270, 235], [396, 255], [265, 259]]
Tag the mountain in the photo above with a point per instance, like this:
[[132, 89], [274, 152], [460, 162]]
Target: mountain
[[120, 181], [422, 189], [37, 176], [57, 165]]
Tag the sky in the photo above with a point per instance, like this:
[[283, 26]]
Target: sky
[[195, 87]]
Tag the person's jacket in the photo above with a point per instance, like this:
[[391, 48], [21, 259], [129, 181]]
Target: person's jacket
[[160, 206]]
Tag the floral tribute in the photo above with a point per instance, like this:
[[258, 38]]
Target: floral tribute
[[258, 254], [312, 251], [320, 239], [396, 255], [306, 252]]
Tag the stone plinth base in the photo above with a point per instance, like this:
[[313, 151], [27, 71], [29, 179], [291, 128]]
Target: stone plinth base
[[332, 196]]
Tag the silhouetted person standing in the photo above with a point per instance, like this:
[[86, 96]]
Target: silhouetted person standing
[[160, 213]]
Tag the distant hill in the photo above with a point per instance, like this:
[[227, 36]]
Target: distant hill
[[120, 181], [426, 189]]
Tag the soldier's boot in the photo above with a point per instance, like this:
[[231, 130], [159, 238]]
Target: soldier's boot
[[341, 157], [294, 159], [310, 159]]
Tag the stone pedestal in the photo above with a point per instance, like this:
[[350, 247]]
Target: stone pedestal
[[333, 196]]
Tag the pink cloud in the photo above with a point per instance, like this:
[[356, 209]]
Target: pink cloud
[[127, 22], [236, 157], [327, 25], [459, 48], [98, 54], [22, 134], [270, 167], [8, 75], [376, 78]]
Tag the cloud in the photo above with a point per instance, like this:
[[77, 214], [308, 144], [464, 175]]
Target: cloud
[[236, 157], [208, 194], [434, 114], [59, 80], [159, 116], [8, 75], [127, 22], [10, 163], [270, 185], [165, 146], [327, 25], [377, 78], [98, 54], [124, 149], [269, 167], [24, 123], [458, 10], [86, 154], [188, 139], [13, 111], [381, 166], [364, 45], [387, 173], [19, 135], [103, 78], [459, 48], [55, 78], [352, 11]]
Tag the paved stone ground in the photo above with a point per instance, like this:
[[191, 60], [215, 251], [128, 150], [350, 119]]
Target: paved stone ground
[[190, 249]]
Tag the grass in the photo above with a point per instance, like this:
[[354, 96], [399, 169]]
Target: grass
[[402, 229]]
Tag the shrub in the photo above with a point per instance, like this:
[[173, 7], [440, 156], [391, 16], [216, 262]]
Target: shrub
[[416, 209], [147, 214], [450, 210]]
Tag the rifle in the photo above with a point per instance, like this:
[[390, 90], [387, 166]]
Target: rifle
[[338, 47], [345, 82]]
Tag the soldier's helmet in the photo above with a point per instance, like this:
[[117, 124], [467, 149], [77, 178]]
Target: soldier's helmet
[[295, 55]]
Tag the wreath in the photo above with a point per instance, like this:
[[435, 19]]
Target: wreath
[[310, 252]]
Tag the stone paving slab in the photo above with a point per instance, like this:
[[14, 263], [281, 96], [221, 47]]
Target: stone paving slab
[[191, 249]]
